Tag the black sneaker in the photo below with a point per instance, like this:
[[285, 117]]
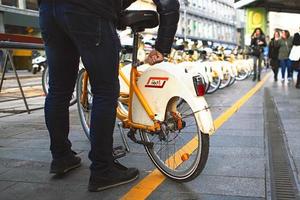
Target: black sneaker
[[254, 78], [64, 165], [117, 175]]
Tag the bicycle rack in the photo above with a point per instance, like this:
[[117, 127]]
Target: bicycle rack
[[8, 42]]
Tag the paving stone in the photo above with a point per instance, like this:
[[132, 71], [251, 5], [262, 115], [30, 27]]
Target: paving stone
[[195, 196], [7, 164], [241, 167], [220, 140], [25, 154], [219, 185], [243, 125], [36, 134], [5, 185], [235, 132], [29, 191], [237, 152]]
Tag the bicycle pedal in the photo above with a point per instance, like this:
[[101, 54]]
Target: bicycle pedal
[[119, 152]]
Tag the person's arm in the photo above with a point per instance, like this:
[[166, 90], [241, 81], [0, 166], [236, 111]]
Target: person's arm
[[252, 42], [168, 16], [264, 42], [294, 39], [270, 48]]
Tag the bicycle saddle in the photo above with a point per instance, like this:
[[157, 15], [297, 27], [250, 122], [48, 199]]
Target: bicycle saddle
[[138, 20]]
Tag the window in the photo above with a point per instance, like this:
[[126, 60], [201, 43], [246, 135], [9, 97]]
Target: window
[[10, 3], [31, 4]]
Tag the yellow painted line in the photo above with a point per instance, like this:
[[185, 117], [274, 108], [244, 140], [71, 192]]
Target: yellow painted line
[[147, 185]]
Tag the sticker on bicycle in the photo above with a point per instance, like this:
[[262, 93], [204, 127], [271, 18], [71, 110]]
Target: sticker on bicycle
[[156, 82]]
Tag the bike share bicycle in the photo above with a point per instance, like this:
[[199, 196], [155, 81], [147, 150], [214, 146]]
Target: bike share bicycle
[[175, 136]]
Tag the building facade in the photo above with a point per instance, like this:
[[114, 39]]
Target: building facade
[[205, 20], [19, 16], [211, 20], [208, 20]]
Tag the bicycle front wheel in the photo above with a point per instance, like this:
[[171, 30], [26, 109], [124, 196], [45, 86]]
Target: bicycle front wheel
[[226, 81], [214, 85], [45, 80], [45, 85], [84, 103], [181, 154]]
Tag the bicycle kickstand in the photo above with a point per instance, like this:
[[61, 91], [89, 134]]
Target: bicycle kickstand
[[124, 138]]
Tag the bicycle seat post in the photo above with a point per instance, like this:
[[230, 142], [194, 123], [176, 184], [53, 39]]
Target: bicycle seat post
[[135, 48]]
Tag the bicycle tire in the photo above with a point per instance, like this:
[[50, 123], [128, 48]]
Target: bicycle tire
[[45, 77], [225, 82], [200, 156], [232, 81], [214, 87], [242, 75], [83, 110], [45, 85]]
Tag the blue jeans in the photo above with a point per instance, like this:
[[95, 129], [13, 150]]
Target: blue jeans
[[71, 32], [257, 64], [286, 65]]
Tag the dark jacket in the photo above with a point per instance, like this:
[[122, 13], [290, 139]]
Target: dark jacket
[[256, 40], [296, 40], [285, 47], [168, 16], [273, 50]]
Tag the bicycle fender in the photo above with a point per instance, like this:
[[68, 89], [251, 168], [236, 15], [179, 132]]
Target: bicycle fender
[[162, 82]]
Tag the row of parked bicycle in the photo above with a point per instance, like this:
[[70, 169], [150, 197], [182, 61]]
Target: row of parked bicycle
[[218, 70]]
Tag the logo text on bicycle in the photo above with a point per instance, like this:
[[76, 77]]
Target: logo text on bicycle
[[156, 82]]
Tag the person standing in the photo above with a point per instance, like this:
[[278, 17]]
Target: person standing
[[258, 42], [285, 45], [273, 54], [76, 28], [295, 56]]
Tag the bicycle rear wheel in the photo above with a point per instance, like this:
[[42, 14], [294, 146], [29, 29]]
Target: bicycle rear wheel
[[181, 155]]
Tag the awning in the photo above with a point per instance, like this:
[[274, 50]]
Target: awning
[[290, 6]]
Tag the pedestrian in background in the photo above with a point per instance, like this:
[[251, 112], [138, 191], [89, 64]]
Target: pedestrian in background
[[273, 54], [258, 42], [295, 56], [285, 45]]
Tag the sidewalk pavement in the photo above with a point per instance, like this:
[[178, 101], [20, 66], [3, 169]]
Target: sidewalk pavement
[[236, 168]]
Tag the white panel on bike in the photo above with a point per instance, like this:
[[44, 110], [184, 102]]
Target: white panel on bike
[[162, 82], [126, 71], [194, 68]]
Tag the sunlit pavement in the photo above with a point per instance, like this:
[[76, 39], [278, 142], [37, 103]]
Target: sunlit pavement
[[237, 167]]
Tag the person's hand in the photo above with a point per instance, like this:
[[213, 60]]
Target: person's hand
[[260, 43], [154, 57]]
